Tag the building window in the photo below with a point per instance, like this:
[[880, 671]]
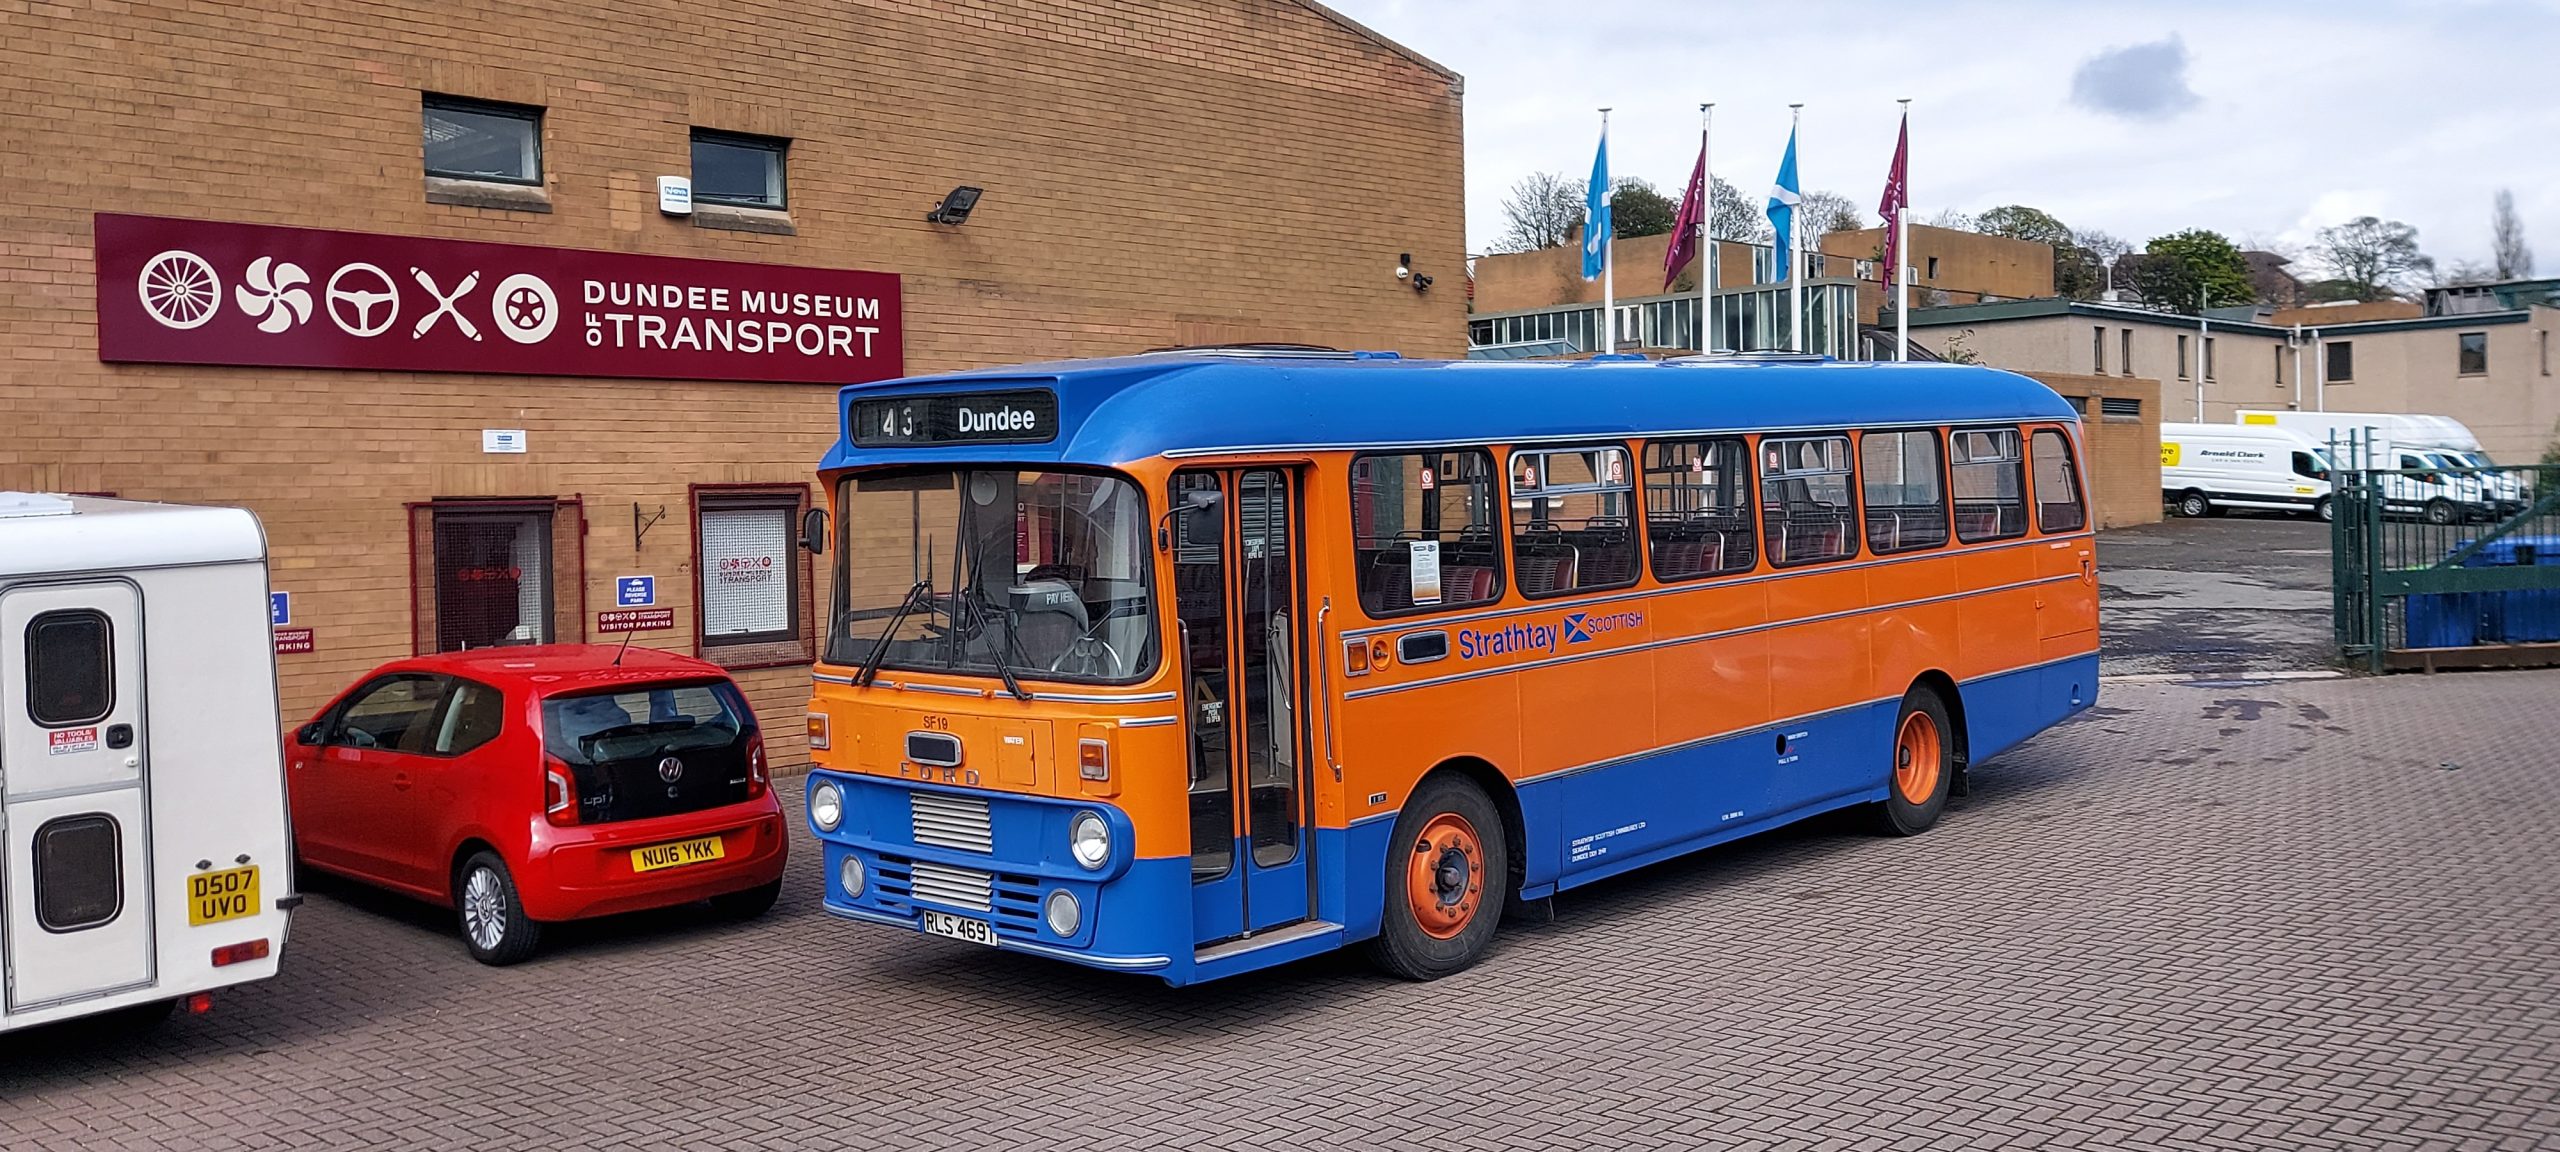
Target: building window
[[2057, 485], [2208, 358], [1933, 268], [70, 668], [2279, 376], [1423, 530], [1697, 508], [497, 572], [739, 171], [2124, 353], [750, 578], [2474, 355], [2120, 408], [1806, 506], [2098, 349], [481, 140], [2184, 373], [1902, 478], [2544, 339], [2342, 362], [1572, 519], [1990, 485]]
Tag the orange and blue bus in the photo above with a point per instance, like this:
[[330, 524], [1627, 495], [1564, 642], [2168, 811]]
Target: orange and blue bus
[[1194, 663]]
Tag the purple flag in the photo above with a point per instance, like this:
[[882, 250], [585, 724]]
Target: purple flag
[[1684, 230]]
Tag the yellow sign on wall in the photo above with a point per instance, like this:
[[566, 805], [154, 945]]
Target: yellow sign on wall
[[2168, 453]]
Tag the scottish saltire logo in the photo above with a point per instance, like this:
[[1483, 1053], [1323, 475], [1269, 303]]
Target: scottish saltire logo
[[1543, 637]]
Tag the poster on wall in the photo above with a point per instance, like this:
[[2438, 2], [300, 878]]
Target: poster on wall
[[175, 291]]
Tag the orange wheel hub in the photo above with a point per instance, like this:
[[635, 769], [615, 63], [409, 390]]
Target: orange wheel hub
[[1917, 751], [1444, 878]]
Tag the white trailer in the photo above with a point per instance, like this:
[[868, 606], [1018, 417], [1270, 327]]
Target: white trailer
[[145, 852]]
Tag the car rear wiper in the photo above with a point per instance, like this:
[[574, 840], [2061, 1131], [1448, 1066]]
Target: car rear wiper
[[863, 676]]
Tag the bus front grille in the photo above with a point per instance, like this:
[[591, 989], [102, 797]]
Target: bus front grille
[[957, 887], [943, 820]]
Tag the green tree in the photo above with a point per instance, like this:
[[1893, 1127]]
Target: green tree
[[2177, 267], [1637, 208], [2019, 222]]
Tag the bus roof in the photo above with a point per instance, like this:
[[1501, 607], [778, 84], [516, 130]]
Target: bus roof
[[1113, 411]]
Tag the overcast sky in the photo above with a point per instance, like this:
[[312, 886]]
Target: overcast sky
[[2263, 119]]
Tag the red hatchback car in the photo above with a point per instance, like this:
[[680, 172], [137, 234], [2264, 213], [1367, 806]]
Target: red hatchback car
[[531, 784]]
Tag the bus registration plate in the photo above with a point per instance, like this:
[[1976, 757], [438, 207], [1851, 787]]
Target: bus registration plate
[[213, 897], [959, 928]]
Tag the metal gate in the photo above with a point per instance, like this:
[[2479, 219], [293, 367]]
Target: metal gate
[[2446, 565]]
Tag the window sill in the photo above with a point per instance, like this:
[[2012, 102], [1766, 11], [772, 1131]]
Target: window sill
[[488, 194], [730, 219], [764, 654]]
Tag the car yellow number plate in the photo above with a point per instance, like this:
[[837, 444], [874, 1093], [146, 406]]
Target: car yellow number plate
[[213, 897], [676, 855]]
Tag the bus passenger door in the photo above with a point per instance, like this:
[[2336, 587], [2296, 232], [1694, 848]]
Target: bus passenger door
[[1238, 595], [78, 829]]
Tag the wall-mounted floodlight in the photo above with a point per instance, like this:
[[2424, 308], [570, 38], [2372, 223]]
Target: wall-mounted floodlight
[[955, 208]]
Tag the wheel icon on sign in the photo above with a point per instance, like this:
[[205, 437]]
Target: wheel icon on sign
[[524, 308], [179, 289]]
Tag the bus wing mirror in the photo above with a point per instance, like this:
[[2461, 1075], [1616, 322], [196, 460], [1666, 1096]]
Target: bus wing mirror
[[813, 531], [1201, 523]]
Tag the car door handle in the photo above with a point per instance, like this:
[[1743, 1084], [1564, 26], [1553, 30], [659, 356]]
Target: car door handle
[[400, 780]]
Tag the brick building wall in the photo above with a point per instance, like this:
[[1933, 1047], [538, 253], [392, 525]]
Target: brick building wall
[[1181, 171], [2124, 447]]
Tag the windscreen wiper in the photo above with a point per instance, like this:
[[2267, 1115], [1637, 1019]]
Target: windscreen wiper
[[863, 676]]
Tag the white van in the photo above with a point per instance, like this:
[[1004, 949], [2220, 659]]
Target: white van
[[2454, 479], [144, 844], [2206, 468]]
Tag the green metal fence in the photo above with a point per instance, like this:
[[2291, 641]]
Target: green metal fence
[[2446, 567]]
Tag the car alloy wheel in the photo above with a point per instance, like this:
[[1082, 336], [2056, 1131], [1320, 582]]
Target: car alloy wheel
[[484, 909]]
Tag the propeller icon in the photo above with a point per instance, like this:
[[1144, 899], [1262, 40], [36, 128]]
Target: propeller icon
[[275, 293]]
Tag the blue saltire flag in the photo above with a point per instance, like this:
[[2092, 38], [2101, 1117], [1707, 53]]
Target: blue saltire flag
[[1596, 226], [1783, 199]]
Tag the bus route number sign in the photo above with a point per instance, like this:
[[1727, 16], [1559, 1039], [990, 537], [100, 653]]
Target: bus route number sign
[[1020, 417]]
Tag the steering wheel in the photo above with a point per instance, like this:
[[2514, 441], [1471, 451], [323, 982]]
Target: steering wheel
[[1085, 644]]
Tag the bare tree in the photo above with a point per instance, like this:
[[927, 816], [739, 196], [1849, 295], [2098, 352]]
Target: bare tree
[[1542, 211], [2372, 259], [1731, 217], [1827, 212], [2512, 260], [1951, 220]]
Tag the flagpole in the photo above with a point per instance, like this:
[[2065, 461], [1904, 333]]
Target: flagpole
[[1608, 262], [1902, 249], [1706, 230], [1795, 236]]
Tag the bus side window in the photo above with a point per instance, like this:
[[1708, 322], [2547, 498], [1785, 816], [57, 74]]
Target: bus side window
[[1902, 478], [1425, 530], [2058, 506], [1990, 484], [1697, 508], [1572, 528], [1807, 511]]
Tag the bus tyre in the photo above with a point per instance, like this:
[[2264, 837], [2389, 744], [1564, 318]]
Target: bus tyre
[[2323, 511], [2440, 511], [2192, 504], [1924, 766], [492, 913], [1448, 870], [747, 905]]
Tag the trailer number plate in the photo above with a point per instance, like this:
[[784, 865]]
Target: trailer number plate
[[213, 897]]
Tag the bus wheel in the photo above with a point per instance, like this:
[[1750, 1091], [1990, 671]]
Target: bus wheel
[[2192, 504], [492, 913], [1924, 767], [1447, 865]]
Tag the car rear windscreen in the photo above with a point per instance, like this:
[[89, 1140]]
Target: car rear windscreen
[[635, 753]]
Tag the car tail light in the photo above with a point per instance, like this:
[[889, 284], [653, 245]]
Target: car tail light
[[559, 792], [756, 780], [1093, 759], [230, 954]]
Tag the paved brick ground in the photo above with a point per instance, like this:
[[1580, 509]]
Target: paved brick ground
[[2312, 914]]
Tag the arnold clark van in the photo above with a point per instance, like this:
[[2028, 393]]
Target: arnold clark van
[[2206, 468], [145, 857], [2443, 472]]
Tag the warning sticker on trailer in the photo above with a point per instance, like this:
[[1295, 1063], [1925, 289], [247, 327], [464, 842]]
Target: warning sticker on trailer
[[66, 741]]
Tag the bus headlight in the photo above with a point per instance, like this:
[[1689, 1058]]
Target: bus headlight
[[1089, 839], [826, 807], [1063, 914], [849, 876]]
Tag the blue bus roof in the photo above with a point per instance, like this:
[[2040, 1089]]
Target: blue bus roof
[[1114, 411]]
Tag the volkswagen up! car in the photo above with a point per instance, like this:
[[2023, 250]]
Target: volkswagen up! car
[[527, 785]]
